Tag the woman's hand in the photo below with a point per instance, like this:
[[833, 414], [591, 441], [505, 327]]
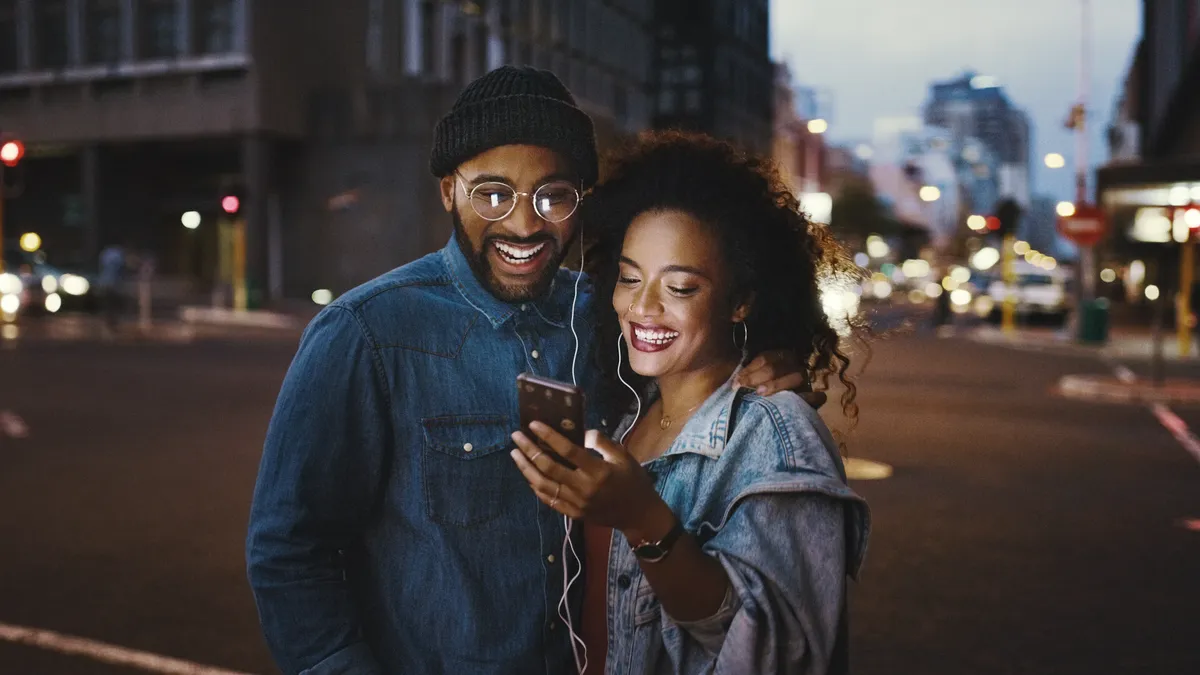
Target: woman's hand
[[611, 490]]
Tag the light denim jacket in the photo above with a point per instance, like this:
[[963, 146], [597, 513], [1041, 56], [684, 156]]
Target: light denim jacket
[[759, 481]]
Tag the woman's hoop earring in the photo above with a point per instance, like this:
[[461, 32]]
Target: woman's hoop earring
[[745, 335], [630, 310]]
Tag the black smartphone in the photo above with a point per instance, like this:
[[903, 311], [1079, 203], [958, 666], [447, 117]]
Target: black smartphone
[[558, 405]]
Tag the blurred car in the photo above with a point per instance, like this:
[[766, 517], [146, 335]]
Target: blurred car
[[31, 286], [1039, 294]]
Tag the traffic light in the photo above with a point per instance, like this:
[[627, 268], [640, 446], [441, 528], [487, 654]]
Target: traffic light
[[232, 201], [1008, 212], [11, 152]]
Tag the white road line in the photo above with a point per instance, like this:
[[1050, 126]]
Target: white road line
[[1124, 374], [1178, 428], [100, 651], [1165, 416], [12, 425]]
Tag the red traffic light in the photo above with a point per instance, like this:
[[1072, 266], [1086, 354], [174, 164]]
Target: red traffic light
[[993, 223], [1191, 217], [12, 152], [230, 204]]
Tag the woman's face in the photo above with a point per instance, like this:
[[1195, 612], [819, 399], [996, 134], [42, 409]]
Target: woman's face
[[672, 295]]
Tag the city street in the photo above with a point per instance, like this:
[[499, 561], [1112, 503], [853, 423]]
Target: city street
[[1020, 532]]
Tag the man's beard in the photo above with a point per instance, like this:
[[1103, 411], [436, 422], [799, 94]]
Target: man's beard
[[481, 264]]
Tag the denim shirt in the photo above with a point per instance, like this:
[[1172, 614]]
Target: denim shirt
[[761, 485], [390, 530]]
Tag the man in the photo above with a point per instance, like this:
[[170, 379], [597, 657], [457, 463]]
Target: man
[[390, 531]]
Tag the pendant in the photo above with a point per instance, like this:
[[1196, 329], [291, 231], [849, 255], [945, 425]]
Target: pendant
[[664, 423]]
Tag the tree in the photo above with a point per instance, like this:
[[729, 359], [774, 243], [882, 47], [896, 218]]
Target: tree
[[858, 213]]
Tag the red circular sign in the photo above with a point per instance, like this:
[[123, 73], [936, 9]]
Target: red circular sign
[[1085, 227], [230, 204]]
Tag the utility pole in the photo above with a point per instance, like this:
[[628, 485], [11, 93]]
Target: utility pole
[[1087, 263]]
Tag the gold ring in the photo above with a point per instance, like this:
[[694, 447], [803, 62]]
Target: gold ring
[[556, 491], [536, 455], [553, 502]]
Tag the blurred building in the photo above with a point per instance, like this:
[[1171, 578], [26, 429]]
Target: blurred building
[[319, 113], [1154, 144], [799, 152], [974, 105], [713, 70]]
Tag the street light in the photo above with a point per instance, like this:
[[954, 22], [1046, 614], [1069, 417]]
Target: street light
[[818, 126], [1065, 209], [1055, 161], [191, 220], [930, 193], [977, 222], [30, 242]]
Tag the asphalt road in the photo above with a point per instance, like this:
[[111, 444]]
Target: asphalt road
[[1020, 532]]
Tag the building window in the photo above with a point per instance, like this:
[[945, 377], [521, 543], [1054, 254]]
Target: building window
[[214, 26], [50, 33], [157, 26], [666, 102], [102, 31], [692, 101], [8, 36]]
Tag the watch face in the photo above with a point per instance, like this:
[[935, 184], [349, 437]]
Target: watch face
[[650, 552]]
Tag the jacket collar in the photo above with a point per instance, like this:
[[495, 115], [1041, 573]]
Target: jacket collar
[[554, 307], [707, 431]]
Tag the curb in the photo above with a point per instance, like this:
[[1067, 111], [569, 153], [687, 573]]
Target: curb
[[1107, 389]]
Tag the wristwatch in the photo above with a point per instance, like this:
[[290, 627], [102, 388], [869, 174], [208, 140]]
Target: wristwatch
[[655, 551]]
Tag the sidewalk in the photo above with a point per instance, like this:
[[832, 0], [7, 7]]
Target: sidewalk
[[180, 330], [1130, 344]]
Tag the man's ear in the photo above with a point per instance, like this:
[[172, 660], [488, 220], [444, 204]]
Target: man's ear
[[447, 186]]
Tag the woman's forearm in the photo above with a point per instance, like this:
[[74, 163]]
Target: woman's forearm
[[690, 584]]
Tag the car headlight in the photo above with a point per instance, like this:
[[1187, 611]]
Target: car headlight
[[73, 284], [10, 284]]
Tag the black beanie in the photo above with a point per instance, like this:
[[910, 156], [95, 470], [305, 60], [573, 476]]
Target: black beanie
[[515, 105]]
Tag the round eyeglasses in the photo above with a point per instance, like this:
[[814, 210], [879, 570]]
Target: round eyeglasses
[[554, 202]]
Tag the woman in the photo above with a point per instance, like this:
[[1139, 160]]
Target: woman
[[719, 528]]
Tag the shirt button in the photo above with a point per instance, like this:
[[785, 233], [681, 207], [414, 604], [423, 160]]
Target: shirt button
[[523, 307], [550, 558], [553, 625], [534, 353], [467, 447], [623, 581]]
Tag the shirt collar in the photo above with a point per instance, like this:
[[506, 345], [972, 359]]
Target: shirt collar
[[554, 307]]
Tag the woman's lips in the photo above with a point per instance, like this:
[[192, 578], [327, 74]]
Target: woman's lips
[[651, 338]]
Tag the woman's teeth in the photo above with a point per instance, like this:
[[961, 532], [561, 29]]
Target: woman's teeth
[[517, 254], [655, 337]]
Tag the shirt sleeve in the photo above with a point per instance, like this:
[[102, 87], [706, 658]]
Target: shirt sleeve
[[785, 555], [318, 482]]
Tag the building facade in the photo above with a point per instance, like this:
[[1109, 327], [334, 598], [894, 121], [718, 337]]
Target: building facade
[[1153, 173], [713, 69], [319, 113]]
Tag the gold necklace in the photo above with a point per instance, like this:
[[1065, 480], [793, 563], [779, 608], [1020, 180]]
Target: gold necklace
[[664, 422]]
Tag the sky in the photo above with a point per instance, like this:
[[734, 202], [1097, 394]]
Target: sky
[[877, 58]]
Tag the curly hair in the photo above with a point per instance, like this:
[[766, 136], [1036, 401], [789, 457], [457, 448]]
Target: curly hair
[[770, 247]]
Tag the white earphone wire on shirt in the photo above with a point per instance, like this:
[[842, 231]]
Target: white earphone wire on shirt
[[564, 607]]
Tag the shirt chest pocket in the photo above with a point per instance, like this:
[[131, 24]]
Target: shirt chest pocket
[[469, 478]]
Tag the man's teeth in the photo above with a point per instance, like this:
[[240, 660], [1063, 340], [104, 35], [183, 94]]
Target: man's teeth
[[516, 254], [658, 337]]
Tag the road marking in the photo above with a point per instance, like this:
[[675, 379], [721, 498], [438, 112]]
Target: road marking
[[865, 469], [12, 425], [100, 651], [1165, 416], [1178, 428]]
